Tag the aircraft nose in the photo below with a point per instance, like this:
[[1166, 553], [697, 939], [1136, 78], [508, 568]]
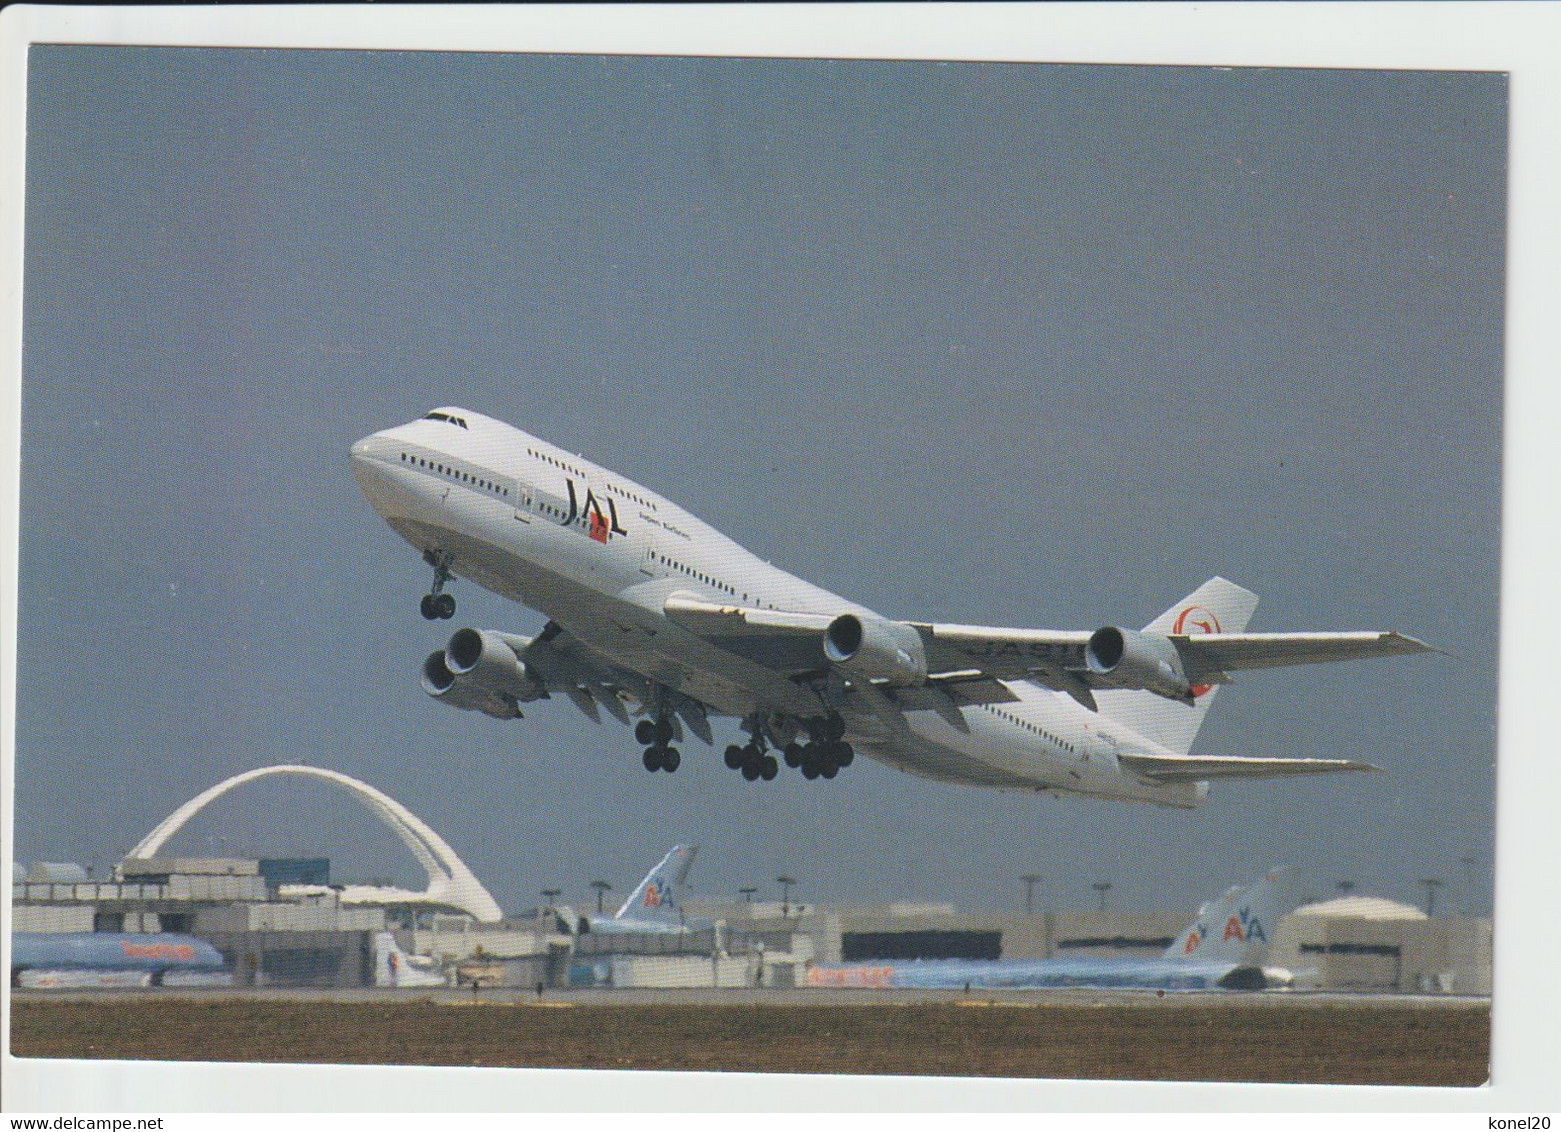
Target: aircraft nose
[[371, 468]]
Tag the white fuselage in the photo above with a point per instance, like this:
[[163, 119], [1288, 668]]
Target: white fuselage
[[599, 554]]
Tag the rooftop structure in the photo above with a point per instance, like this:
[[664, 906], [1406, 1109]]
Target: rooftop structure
[[451, 885]]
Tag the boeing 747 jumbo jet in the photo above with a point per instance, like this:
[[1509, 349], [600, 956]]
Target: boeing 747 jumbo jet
[[655, 614]]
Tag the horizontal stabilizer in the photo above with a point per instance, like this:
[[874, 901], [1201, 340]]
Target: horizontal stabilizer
[[1178, 768]]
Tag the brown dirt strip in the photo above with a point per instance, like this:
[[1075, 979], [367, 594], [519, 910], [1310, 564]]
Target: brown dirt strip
[[1345, 1043]]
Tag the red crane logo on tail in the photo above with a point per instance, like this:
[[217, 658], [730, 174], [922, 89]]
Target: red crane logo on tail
[[1196, 619]]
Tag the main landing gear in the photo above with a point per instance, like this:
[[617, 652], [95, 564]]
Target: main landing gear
[[826, 754], [752, 761], [436, 604], [822, 757], [656, 734]]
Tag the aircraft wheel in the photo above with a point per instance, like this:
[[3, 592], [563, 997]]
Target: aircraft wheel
[[751, 771], [769, 768], [845, 754], [734, 757], [645, 732], [793, 754], [652, 758], [829, 769], [444, 605], [671, 760], [810, 770], [427, 607], [663, 730]]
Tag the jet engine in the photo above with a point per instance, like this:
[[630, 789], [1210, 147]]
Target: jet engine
[[485, 659], [877, 649], [446, 687], [1127, 659]]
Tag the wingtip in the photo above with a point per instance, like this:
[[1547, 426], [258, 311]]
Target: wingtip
[[1415, 644]]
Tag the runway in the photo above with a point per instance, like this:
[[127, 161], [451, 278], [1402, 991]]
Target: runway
[[783, 996]]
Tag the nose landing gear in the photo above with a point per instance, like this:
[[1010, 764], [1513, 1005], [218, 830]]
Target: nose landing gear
[[436, 604]]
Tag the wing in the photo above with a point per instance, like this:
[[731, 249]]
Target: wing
[[1173, 768], [972, 659], [793, 644], [1209, 656], [563, 664], [1009, 654]]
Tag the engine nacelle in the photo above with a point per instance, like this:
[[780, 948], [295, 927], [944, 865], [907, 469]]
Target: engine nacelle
[[1127, 659], [877, 649], [448, 688], [484, 659]]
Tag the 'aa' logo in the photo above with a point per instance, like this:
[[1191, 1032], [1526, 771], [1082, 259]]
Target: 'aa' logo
[[1196, 619], [654, 895], [1246, 928]]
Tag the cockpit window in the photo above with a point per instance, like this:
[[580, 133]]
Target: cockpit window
[[438, 416]]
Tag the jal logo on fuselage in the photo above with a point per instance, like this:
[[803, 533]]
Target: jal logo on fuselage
[[600, 525]]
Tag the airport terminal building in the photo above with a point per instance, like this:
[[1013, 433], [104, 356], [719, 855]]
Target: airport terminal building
[[280, 922]]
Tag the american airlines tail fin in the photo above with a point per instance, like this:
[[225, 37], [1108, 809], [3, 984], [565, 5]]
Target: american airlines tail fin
[[1239, 926], [657, 897], [1217, 606]]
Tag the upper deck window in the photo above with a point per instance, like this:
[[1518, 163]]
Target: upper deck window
[[438, 416]]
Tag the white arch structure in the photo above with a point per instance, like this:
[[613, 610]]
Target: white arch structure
[[450, 883]]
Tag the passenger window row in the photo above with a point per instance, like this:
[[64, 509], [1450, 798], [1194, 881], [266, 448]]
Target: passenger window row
[[692, 573], [1033, 728], [557, 463], [454, 473]]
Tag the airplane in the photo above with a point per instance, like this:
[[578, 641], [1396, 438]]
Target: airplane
[[1225, 948], [652, 908], [395, 968], [652, 611], [109, 958]]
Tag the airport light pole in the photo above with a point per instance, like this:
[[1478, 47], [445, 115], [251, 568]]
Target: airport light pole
[[1030, 881], [550, 895], [747, 894], [1102, 887], [601, 887], [1346, 887], [1431, 885], [785, 883]]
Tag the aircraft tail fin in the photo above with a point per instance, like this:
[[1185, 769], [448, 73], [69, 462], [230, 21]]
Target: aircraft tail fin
[[395, 968], [658, 896], [1217, 606], [1239, 926]]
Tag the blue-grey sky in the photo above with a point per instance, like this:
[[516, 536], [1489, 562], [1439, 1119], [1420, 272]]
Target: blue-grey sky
[[1005, 344]]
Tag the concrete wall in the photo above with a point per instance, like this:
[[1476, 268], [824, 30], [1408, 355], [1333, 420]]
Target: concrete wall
[[298, 958], [1440, 956], [682, 971], [51, 918], [287, 918], [497, 943]]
